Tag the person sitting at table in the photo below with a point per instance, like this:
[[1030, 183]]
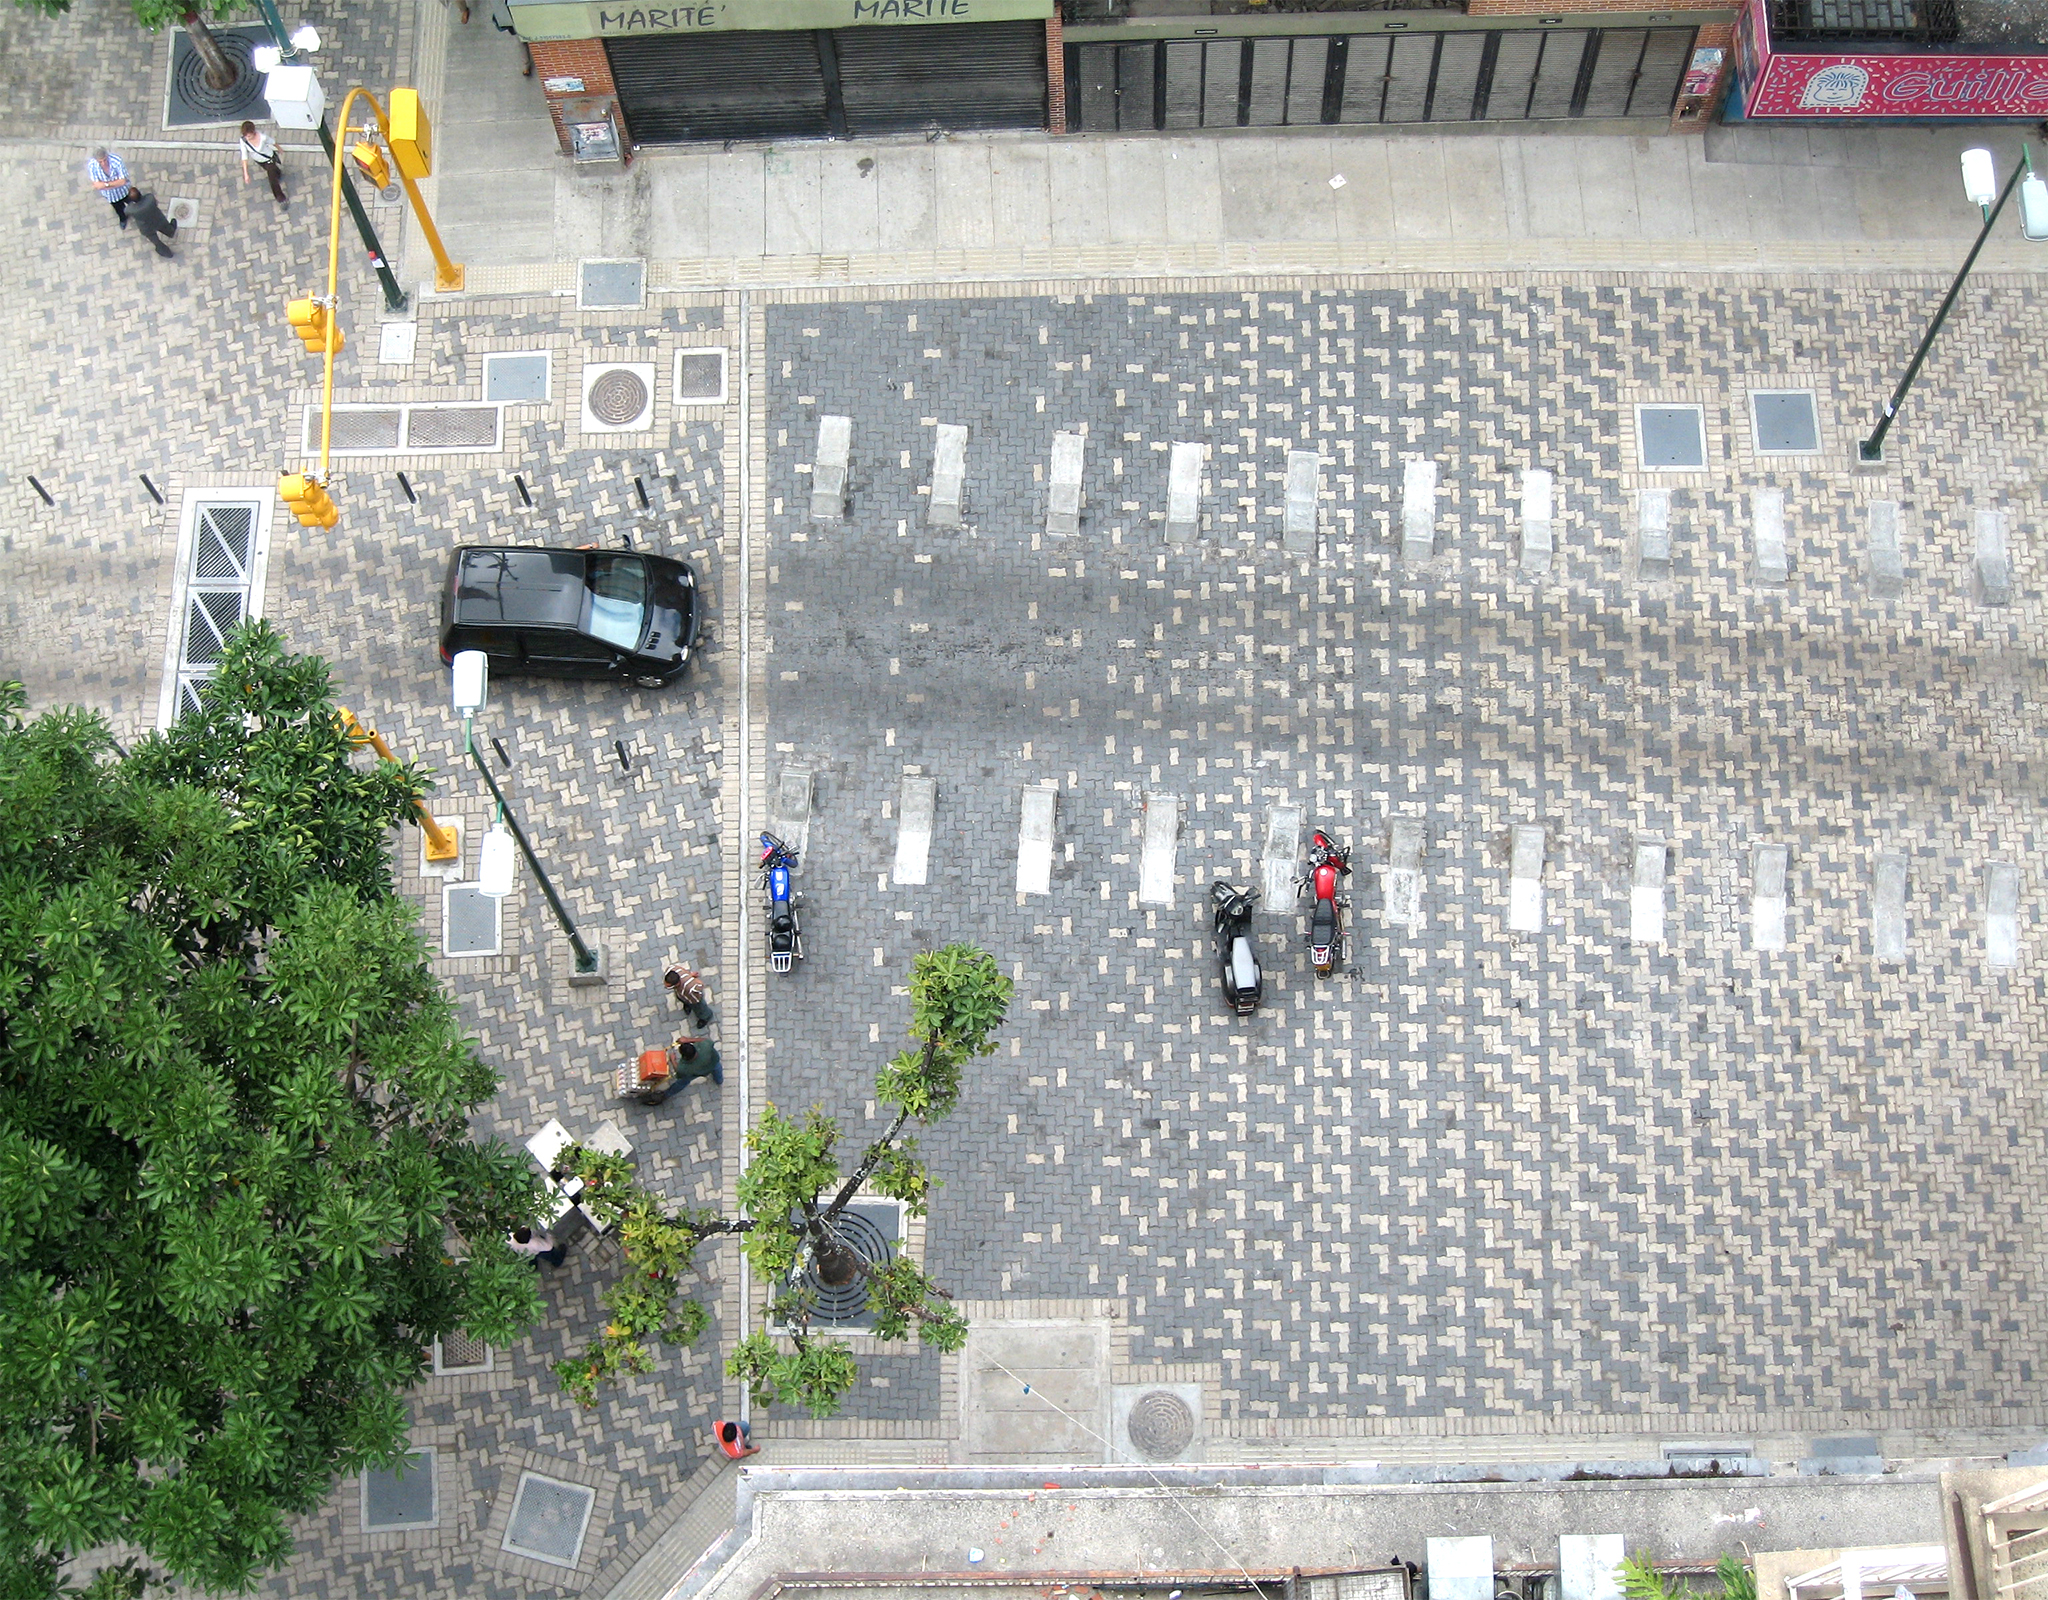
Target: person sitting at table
[[537, 1243]]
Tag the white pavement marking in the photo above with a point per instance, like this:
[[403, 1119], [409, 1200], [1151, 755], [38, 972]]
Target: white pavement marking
[[1183, 493], [1887, 569], [2002, 915], [1283, 848], [1994, 568], [1304, 487], [1646, 893], [1537, 545], [1063, 499], [1034, 839], [1588, 1566], [1767, 898], [1767, 518], [1525, 880], [1404, 874], [1888, 908], [949, 477], [828, 470], [1461, 1568], [914, 813], [790, 817], [1155, 863], [1653, 535], [1418, 510]]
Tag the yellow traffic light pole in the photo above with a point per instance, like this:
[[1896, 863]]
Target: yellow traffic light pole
[[442, 844]]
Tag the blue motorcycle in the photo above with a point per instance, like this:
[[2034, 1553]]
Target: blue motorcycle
[[785, 934]]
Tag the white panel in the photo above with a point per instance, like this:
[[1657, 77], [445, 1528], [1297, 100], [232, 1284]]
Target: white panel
[[1034, 840], [1155, 863], [914, 813], [1525, 880]]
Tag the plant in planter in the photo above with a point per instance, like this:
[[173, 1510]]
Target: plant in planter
[[794, 1226], [1642, 1581]]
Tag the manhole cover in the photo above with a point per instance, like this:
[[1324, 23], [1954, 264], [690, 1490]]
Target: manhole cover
[[700, 375], [1786, 424], [194, 103], [618, 397], [1671, 436], [516, 378], [870, 1235], [469, 921], [1161, 1425], [611, 285], [402, 1497], [548, 1520], [461, 1352]]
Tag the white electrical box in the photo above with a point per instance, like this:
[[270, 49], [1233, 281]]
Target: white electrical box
[[296, 99]]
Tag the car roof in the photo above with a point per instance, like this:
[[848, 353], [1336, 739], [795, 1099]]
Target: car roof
[[509, 584]]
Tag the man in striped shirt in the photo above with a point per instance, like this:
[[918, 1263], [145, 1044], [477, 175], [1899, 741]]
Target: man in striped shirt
[[109, 174]]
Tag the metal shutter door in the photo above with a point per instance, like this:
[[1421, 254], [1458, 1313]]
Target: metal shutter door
[[674, 88], [1307, 73], [1514, 75], [1136, 74], [1557, 76], [1614, 73], [1408, 77], [1664, 62], [1457, 77], [956, 75], [1365, 80]]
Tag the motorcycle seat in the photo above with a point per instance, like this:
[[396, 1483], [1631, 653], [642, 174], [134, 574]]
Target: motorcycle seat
[[1244, 967], [1322, 923]]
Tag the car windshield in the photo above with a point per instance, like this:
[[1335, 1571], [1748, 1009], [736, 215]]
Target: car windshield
[[617, 611]]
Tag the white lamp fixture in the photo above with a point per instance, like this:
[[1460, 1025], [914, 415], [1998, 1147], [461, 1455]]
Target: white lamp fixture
[[307, 38], [1980, 177], [472, 672], [2034, 208], [265, 57], [496, 862]]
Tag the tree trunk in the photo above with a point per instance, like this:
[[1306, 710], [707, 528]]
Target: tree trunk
[[220, 71], [836, 1266]]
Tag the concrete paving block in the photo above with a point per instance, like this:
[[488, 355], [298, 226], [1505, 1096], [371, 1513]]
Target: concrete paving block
[[916, 807], [1994, 564], [828, 468], [789, 817], [1767, 521], [1646, 893], [1404, 874], [1525, 880], [1888, 908], [1887, 569], [1460, 1568], [949, 475], [1304, 486], [1589, 1566], [1063, 497], [2002, 914], [1537, 546], [1418, 510], [1155, 861], [1183, 493], [1767, 899], [1653, 535], [1282, 852], [1034, 838]]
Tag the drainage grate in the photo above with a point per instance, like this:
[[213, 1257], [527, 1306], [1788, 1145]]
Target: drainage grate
[[1786, 422], [216, 595], [451, 427], [618, 397], [373, 428], [471, 924], [461, 1352], [611, 285], [514, 379], [191, 102], [700, 377], [1671, 436], [872, 1232], [401, 1498], [548, 1520]]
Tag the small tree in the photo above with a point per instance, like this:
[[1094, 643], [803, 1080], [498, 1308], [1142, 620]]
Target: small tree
[[791, 1197], [237, 1191]]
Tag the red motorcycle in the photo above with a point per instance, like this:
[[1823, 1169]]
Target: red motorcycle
[[1327, 864]]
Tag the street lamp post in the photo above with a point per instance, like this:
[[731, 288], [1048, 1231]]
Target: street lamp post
[[1980, 182], [494, 865]]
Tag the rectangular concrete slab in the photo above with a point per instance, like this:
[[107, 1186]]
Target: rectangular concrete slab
[[1767, 902], [2002, 914], [1034, 839], [1283, 849], [1888, 908], [1183, 493], [1994, 566], [1537, 545], [1885, 566], [1063, 486], [1767, 522], [1588, 1566], [1155, 861], [1460, 1568], [1304, 485], [1404, 873], [828, 468], [1646, 893], [1525, 880], [949, 475], [1653, 534], [916, 807], [789, 817], [1418, 510], [1034, 1392]]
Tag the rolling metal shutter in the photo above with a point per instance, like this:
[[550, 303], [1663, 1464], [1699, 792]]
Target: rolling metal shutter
[[675, 88], [955, 76]]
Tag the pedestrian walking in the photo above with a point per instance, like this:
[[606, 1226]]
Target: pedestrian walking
[[736, 1439], [262, 149], [109, 175], [155, 226], [687, 989], [539, 1244]]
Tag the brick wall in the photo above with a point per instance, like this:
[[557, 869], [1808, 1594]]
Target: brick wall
[[576, 58], [1055, 75]]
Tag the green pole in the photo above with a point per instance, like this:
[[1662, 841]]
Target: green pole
[[585, 961]]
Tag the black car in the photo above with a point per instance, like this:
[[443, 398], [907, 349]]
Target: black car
[[571, 613]]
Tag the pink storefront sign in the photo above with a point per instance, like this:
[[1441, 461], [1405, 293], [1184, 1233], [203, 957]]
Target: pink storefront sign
[[1921, 84]]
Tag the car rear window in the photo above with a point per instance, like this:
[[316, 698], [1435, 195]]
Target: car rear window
[[617, 608]]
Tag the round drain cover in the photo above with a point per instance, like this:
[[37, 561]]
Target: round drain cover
[[844, 1302], [618, 397], [192, 93], [1161, 1425]]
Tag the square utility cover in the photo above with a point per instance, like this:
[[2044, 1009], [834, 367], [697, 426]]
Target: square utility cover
[[611, 285], [618, 397], [516, 379], [1671, 437], [549, 1519], [470, 921], [1786, 422], [402, 1497], [700, 377]]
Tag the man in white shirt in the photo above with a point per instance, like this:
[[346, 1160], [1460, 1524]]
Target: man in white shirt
[[262, 149]]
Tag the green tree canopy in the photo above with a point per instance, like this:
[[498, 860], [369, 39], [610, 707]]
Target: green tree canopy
[[237, 1187]]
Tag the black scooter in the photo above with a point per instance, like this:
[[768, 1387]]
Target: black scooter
[[1237, 963]]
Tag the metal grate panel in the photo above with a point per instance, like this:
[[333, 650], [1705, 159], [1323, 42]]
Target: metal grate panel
[[471, 921], [700, 377], [461, 1352], [372, 428], [401, 1498], [451, 427], [192, 102], [223, 549], [549, 1519]]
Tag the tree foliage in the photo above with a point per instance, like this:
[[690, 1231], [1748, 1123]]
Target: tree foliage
[[237, 1188], [1640, 1580], [788, 1223]]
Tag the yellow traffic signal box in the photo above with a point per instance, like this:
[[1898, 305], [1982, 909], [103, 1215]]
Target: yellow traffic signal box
[[310, 503], [411, 138], [314, 325], [371, 160]]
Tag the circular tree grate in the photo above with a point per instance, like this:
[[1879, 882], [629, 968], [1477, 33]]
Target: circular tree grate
[[1161, 1425], [194, 100], [846, 1301], [618, 397]]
